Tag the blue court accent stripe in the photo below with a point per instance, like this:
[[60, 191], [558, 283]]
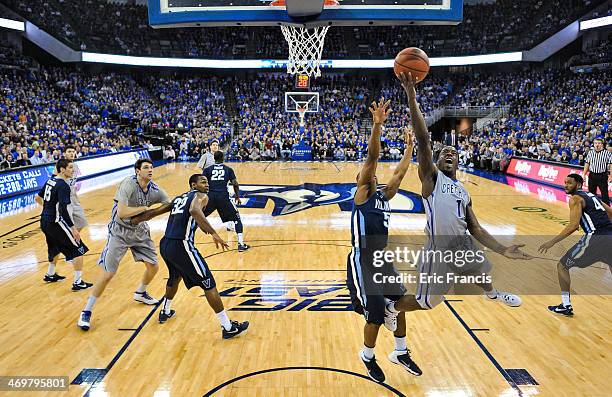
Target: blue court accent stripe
[[486, 351]]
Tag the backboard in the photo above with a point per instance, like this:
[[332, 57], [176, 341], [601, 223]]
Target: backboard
[[182, 13]]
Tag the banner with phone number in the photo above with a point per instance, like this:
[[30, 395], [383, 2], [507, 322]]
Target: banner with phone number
[[31, 179]]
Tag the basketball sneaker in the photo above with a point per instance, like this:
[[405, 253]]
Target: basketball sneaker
[[403, 358], [84, 320], [145, 298], [163, 316], [243, 247], [237, 329], [372, 367], [390, 317], [53, 278], [81, 285], [507, 298], [564, 310]]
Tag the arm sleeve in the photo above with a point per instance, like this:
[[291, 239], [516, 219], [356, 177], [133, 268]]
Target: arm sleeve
[[123, 193], [63, 199]]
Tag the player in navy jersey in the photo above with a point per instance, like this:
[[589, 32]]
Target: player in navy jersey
[[590, 213], [185, 262], [219, 175], [369, 233], [56, 223]]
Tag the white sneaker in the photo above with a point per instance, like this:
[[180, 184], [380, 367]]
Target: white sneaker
[[508, 298], [390, 317], [145, 298]]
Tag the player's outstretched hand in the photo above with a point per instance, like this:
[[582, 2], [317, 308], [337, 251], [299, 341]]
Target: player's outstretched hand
[[408, 83], [142, 217], [545, 247], [220, 242], [380, 111], [514, 252]]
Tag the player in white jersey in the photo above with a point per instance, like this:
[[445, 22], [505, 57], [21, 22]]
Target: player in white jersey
[[449, 218], [75, 209]]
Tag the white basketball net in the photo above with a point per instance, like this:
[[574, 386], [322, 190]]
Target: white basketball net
[[305, 49]]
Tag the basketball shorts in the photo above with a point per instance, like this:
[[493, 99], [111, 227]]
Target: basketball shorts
[[120, 239], [367, 291], [60, 240], [591, 248], [224, 206], [184, 260], [78, 216], [436, 274]]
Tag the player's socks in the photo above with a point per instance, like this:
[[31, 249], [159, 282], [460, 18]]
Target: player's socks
[[374, 371], [565, 298], [142, 288], [240, 238], [51, 269], [400, 343], [77, 276], [368, 352], [224, 320], [167, 304], [491, 294], [91, 301]]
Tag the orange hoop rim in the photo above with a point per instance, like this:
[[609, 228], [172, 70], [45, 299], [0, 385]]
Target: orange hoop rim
[[282, 3]]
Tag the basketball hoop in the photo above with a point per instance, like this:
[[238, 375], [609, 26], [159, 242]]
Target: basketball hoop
[[305, 45]]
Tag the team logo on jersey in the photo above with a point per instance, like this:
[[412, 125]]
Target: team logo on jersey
[[289, 199]]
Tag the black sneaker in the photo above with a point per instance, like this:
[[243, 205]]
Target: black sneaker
[[237, 329], [403, 358], [243, 247], [163, 316], [53, 278], [374, 370], [564, 310], [81, 285]]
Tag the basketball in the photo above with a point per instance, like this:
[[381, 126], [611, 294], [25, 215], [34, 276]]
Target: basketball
[[412, 60]]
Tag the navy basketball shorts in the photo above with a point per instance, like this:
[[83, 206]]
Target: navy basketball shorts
[[60, 240], [184, 260], [224, 206], [591, 248], [367, 291]]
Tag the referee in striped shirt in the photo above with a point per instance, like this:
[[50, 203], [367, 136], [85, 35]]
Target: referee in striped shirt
[[599, 163]]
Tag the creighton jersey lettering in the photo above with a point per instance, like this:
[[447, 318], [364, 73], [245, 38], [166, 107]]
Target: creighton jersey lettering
[[446, 208], [370, 222], [181, 225]]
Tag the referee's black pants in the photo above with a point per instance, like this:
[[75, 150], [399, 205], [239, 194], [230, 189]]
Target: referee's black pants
[[599, 180]]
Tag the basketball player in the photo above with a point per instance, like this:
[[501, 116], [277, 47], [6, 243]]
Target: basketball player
[[369, 231], [134, 195], [61, 233], [185, 261], [218, 176], [207, 158], [593, 215], [449, 218], [76, 209]]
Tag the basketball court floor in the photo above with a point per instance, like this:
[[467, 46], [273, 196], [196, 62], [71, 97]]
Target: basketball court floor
[[303, 339]]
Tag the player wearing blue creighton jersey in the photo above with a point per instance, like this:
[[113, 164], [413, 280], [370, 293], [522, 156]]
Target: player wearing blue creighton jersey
[[369, 233], [185, 262], [219, 175], [56, 222], [593, 215]]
